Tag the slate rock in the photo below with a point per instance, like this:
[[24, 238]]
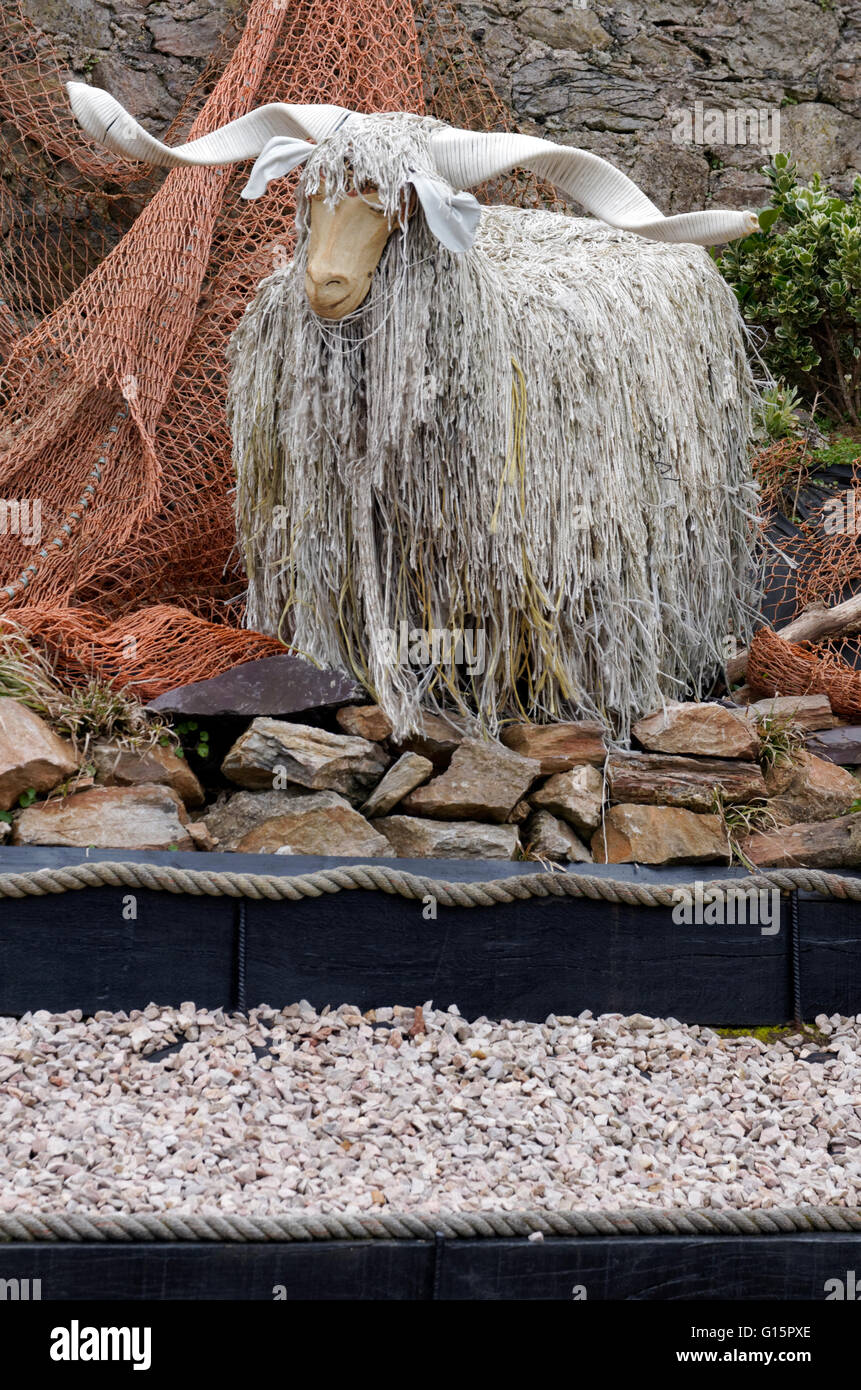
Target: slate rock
[[410, 770], [364, 721], [126, 767], [545, 836], [437, 739], [804, 712], [236, 813], [558, 747], [808, 788], [272, 685], [842, 745], [830, 844], [577, 796]]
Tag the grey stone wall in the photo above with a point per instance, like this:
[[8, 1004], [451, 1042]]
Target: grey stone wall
[[616, 77], [148, 55]]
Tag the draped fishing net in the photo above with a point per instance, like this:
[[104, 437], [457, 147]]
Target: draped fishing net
[[811, 528], [119, 289]]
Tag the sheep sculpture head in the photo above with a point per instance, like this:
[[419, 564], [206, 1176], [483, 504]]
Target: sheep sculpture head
[[365, 176], [452, 418]]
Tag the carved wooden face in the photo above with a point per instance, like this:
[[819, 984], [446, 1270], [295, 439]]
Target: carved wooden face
[[344, 249]]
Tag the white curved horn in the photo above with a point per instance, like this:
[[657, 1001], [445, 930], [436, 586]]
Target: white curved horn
[[465, 158], [102, 117]]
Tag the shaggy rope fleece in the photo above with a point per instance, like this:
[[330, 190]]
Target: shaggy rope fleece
[[544, 438]]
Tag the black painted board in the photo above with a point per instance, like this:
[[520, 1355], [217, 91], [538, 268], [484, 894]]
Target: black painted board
[[562, 1269], [78, 951], [522, 960], [645, 1268], [830, 938], [392, 1269]]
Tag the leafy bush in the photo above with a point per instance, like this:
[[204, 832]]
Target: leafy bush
[[800, 277]]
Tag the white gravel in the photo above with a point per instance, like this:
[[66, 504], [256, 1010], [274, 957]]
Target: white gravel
[[351, 1113]]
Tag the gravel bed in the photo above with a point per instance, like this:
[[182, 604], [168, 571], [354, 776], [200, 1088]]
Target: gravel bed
[[185, 1109]]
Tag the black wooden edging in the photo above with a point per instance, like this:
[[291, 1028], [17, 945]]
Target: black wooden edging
[[645, 1268], [111, 948]]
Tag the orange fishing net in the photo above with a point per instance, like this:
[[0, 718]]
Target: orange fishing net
[[811, 524], [119, 288]]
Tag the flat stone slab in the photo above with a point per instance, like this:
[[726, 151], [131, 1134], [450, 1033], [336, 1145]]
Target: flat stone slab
[[667, 779], [414, 838], [704, 730], [141, 817], [272, 685], [805, 712], [659, 835], [830, 844], [842, 745], [558, 747]]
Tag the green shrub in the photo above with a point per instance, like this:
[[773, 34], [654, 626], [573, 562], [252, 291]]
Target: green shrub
[[800, 278]]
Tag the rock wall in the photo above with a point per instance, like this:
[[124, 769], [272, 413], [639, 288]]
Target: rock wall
[[623, 79], [620, 77], [148, 55]]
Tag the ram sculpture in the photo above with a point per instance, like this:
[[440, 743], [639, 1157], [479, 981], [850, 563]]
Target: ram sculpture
[[517, 426]]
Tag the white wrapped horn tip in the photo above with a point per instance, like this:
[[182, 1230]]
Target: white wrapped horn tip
[[466, 157], [102, 117]]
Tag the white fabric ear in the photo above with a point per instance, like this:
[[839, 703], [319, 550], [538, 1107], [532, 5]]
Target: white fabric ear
[[277, 158], [452, 217]]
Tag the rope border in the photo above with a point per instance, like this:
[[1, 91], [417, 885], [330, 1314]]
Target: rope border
[[132, 1227], [169, 878]]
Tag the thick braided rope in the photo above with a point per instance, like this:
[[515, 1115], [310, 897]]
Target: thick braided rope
[[169, 878], [216, 1226]]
